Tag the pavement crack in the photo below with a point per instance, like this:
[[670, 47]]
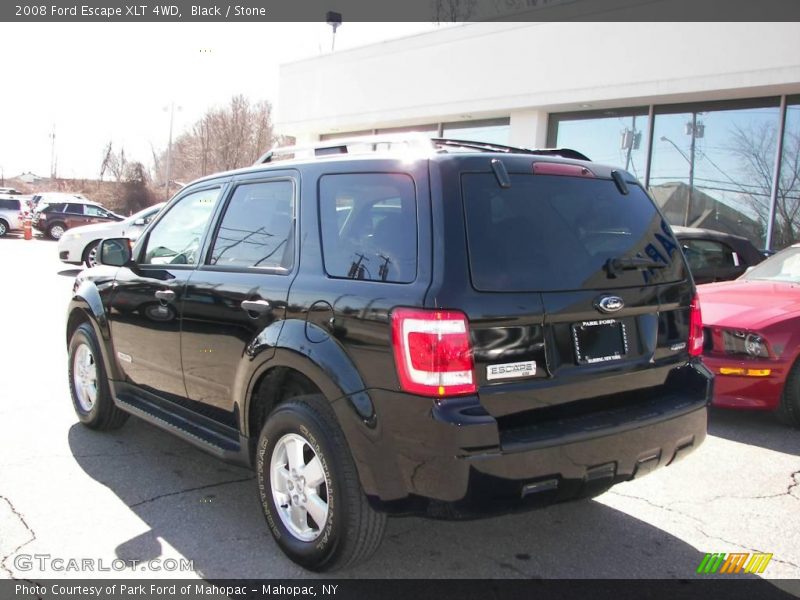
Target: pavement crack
[[187, 490], [656, 505], [27, 527]]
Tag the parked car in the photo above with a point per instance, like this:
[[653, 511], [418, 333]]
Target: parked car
[[79, 245], [9, 191], [56, 218], [716, 256], [452, 333], [12, 211], [752, 337]]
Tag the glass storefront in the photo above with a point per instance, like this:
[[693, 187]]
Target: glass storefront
[[711, 165], [611, 137], [786, 228], [491, 131]]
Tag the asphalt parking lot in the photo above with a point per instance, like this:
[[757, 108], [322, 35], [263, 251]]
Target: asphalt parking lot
[[139, 493]]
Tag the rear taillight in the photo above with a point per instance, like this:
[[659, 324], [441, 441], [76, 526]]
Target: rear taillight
[[695, 328], [432, 352]]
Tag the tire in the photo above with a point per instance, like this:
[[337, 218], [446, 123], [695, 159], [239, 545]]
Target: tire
[[56, 230], [789, 408], [88, 384], [351, 530], [90, 254], [3, 227]]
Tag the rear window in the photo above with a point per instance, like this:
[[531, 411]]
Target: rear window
[[550, 233], [9, 204]]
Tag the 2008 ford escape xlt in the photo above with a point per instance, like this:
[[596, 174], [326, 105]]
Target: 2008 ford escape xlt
[[451, 328]]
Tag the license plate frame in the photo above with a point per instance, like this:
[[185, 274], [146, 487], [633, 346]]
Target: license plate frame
[[599, 341]]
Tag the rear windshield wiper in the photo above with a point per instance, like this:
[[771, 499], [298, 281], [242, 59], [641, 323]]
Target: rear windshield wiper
[[614, 266]]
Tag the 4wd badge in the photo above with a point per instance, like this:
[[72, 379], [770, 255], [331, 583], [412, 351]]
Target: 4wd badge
[[511, 370]]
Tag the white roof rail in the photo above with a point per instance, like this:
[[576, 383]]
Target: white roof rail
[[369, 143], [410, 141]]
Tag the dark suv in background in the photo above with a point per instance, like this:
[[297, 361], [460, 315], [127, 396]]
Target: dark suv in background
[[56, 218], [453, 328]]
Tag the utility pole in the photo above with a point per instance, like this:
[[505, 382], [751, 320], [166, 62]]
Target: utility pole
[[693, 133], [52, 137]]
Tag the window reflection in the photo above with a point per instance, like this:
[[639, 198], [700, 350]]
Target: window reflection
[[713, 168], [618, 139], [786, 228], [491, 131]]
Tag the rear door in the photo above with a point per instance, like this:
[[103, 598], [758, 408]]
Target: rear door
[[578, 290], [239, 291]]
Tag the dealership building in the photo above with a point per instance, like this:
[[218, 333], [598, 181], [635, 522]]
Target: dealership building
[[707, 115]]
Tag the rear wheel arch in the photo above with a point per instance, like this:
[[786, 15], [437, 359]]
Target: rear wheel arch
[[271, 388]]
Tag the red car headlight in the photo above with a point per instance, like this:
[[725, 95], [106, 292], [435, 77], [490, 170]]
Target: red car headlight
[[745, 342]]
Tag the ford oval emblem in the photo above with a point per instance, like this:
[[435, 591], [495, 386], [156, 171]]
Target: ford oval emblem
[[609, 304]]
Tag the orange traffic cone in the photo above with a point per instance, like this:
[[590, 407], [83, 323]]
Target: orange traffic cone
[[27, 231]]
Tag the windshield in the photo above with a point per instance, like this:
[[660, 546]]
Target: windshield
[[784, 266], [551, 233]]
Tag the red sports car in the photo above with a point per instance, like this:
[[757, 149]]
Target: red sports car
[[752, 337]]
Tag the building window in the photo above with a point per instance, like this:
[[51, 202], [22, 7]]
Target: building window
[[345, 135], [613, 137], [786, 228], [712, 165], [491, 131]]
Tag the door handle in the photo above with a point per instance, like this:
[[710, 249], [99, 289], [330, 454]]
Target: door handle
[[167, 295], [256, 306]]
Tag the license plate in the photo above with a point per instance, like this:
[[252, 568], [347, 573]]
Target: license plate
[[599, 341]]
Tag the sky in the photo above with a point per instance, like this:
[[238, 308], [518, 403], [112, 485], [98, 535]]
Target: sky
[[101, 82]]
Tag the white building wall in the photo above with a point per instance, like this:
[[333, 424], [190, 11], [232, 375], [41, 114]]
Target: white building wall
[[527, 70]]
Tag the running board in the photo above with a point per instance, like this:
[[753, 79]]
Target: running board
[[214, 442]]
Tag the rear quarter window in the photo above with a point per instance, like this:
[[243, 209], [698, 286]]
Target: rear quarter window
[[369, 226], [552, 233]]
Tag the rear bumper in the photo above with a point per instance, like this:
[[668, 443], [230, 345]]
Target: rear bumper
[[453, 455], [747, 392]]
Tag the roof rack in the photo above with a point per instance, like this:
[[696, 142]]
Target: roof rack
[[411, 141]]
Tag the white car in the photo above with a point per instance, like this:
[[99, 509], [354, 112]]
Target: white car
[[79, 245]]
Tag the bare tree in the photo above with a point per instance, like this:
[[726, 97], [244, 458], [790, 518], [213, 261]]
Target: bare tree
[[106, 159], [446, 11], [136, 194], [225, 138], [755, 146]]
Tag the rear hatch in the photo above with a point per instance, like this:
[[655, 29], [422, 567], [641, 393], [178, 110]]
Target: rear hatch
[[579, 294]]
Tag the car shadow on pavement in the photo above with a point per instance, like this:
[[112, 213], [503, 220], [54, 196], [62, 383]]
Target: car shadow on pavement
[[70, 272], [755, 428], [208, 511]]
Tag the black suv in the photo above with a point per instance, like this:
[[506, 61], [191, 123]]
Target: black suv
[[451, 330]]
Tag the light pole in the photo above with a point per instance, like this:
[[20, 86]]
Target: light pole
[[334, 19], [169, 147], [696, 130]]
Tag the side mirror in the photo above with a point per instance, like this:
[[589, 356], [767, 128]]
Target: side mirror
[[115, 252], [139, 222]]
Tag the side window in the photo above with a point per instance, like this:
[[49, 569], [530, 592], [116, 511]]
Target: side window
[[708, 254], [74, 209], [369, 226], [256, 230], [94, 211], [175, 239]]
